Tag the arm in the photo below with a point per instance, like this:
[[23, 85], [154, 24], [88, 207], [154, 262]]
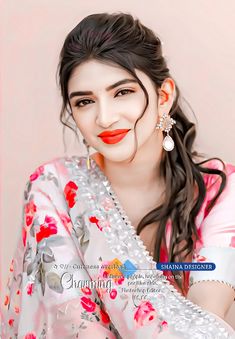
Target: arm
[[36, 303], [215, 290], [213, 296]]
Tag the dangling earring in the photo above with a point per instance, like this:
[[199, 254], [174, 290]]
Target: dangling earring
[[88, 160], [166, 123]]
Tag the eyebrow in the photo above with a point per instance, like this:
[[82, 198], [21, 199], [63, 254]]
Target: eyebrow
[[121, 82]]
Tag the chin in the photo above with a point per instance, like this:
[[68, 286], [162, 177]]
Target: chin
[[118, 156]]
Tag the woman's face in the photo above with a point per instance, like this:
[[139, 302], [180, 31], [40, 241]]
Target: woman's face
[[109, 106]]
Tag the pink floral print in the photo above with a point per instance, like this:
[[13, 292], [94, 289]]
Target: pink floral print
[[144, 314], [58, 235], [70, 192], [47, 229], [88, 304], [39, 171]]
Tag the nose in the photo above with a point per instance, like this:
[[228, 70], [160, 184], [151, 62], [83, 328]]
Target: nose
[[106, 116]]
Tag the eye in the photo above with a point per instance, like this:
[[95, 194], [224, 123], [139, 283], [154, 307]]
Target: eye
[[77, 104], [124, 90], [84, 101]]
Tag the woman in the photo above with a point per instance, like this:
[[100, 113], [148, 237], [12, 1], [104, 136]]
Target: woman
[[80, 269]]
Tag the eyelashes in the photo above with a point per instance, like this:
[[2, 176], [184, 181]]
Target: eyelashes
[[77, 104]]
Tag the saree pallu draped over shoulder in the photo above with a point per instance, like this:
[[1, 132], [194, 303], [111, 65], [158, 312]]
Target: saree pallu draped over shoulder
[[81, 270]]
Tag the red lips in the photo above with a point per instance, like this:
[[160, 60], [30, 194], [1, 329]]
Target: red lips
[[113, 137], [112, 133]]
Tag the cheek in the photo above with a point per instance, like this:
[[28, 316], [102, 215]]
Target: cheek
[[147, 124], [148, 120], [82, 122], [86, 127], [130, 106], [136, 107]]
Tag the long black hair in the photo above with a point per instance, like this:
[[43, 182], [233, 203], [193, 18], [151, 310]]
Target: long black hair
[[120, 39]]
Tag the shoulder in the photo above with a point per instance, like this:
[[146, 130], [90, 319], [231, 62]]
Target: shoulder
[[58, 167], [55, 178]]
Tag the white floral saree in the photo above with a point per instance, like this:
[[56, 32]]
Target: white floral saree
[[80, 270]]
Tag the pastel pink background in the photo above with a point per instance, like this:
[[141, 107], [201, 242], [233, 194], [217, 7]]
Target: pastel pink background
[[199, 45]]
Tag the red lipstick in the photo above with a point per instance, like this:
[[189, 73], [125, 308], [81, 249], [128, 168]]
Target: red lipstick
[[113, 137]]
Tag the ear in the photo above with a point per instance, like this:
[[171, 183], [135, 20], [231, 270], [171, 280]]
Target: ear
[[166, 96]]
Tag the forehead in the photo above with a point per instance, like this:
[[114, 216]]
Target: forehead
[[96, 75]]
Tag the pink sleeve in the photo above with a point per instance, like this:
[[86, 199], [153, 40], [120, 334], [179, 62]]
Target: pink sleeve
[[217, 231], [36, 303]]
